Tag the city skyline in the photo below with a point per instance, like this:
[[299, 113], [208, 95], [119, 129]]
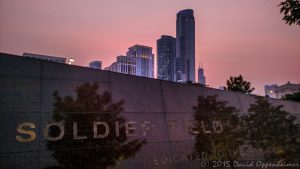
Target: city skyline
[[258, 45]]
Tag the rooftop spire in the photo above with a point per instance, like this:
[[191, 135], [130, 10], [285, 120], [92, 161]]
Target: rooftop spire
[[200, 65]]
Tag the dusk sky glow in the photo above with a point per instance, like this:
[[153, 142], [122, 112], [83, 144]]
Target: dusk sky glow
[[232, 37]]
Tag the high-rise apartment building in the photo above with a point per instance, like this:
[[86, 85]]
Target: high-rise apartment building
[[185, 46], [124, 64], [138, 61], [166, 53], [144, 60]]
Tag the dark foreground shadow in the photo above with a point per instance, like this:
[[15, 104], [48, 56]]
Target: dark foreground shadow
[[88, 131], [223, 134]]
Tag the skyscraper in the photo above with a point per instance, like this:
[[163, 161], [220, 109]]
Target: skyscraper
[[144, 60], [139, 61], [185, 46], [95, 65], [201, 77], [124, 64], [166, 53]]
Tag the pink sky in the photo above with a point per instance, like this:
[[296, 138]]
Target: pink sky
[[232, 37]]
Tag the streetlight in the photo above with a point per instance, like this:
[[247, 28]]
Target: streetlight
[[70, 61]]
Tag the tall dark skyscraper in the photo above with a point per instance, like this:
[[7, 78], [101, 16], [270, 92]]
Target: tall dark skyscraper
[[185, 46], [201, 77], [166, 53]]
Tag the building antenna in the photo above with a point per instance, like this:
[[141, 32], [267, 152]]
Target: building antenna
[[201, 64]]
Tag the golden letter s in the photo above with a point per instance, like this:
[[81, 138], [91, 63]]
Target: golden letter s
[[21, 129]]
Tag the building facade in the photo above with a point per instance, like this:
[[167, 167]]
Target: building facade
[[95, 65], [113, 67], [130, 122], [185, 46], [275, 91], [288, 88], [270, 90], [144, 60], [139, 61], [166, 53], [201, 77], [45, 57], [124, 64]]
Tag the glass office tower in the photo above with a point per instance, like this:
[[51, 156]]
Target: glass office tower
[[166, 53], [185, 46]]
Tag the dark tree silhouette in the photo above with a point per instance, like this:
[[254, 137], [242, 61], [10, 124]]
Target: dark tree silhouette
[[238, 84], [228, 140], [293, 97], [291, 11], [92, 153], [272, 130]]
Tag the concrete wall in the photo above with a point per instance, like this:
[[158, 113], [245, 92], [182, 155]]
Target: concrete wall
[[27, 85]]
